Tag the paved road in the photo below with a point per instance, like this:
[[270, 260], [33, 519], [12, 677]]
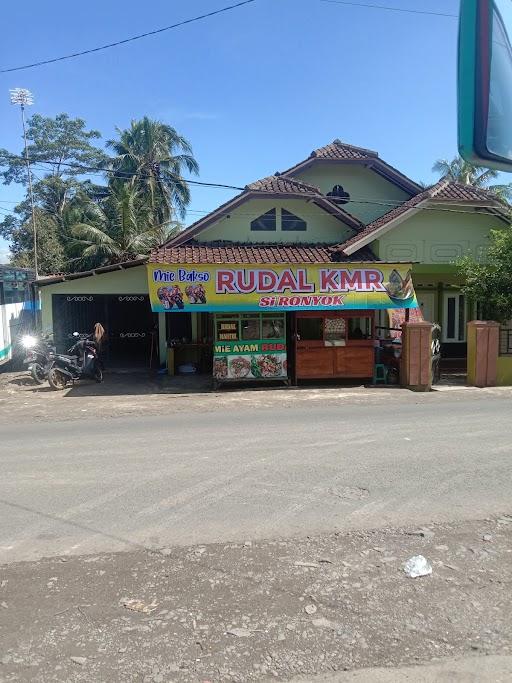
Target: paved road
[[196, 477]]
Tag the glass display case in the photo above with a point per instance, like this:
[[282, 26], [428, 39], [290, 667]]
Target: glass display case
[[250, 346]]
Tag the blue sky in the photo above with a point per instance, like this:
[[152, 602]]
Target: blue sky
[[255, 90]]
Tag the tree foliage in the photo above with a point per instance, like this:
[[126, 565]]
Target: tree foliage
[[59, 146], [152, 155], [489, 283], [112, 231], [81, 224]]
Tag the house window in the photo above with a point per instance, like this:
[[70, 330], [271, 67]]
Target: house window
[[338, 195], [291, 222], [454, 318], [267, 221]]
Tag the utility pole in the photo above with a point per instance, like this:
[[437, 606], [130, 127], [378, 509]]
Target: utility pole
[[24, 98]]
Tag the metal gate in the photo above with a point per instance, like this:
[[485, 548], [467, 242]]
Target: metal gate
[[127, 319]]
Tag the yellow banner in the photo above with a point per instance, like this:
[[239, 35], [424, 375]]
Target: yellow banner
[[231, 287]]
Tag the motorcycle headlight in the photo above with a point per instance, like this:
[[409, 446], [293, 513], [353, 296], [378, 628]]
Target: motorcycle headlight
[[28, 341]]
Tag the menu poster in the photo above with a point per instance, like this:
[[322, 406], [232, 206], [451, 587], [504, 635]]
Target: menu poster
[[227, 331], [397, 317]]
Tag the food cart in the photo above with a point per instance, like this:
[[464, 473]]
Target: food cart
[[335, 344]]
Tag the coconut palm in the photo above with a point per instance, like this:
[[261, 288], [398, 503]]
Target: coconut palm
[[462, 171], [110, 231], [152, 157]]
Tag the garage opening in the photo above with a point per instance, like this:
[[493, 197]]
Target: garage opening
[[131, 326]]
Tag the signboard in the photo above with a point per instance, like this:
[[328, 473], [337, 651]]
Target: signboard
[[397, 317], [227, 331], [255, 359], [302, 287]]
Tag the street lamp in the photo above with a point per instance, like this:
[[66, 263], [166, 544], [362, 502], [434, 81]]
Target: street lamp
[[24, 98]]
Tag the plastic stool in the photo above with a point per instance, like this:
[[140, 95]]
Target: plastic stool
[[380, 374]]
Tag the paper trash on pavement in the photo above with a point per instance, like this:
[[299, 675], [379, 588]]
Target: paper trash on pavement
[[417, 566]]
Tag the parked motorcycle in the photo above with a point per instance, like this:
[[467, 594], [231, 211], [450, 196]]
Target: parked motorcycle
[[82, 361], [39, 356], [391, 353]]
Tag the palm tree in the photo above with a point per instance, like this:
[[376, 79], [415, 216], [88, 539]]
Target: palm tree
[[152, 156], [462, 171], [109, 232]]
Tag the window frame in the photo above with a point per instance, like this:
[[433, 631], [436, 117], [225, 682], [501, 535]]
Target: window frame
[[296, 219], [262, 216]]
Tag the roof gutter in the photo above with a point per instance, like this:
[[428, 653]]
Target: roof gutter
[[87, 273]]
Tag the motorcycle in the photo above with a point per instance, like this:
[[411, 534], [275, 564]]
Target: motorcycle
[[39, 356], [82, 361], [390, 356]]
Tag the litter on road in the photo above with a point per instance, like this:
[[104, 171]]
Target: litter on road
[[417, 566]]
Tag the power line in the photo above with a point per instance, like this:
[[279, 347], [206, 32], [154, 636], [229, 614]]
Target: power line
[[127, 40], [388, 8], [391, 204], [100, 171]]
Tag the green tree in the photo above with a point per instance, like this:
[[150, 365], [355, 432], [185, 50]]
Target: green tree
[[489, 284], [60, 148], [462, 171], [114, 230], [152, 157], [50, 250]]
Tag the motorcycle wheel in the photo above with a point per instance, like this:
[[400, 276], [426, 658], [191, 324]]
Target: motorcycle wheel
[[57, 380], [38, 374], [98, 375]]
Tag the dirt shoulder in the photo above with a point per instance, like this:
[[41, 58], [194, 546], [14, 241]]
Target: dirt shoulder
[[125, 394], [260, 611]]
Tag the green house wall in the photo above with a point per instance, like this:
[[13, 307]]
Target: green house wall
[[129, 281], [235, 226], [371, 194], [438, 237]]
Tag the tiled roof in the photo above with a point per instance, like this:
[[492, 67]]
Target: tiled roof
[[280, 184], [390, 216], [457, 191], [230, 252], [270, 186], [443, 190], [341, 150]]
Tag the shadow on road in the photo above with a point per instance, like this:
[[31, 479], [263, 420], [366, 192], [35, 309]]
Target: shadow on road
[[76, 525]]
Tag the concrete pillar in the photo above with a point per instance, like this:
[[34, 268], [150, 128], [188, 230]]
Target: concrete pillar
[[162, 338], [416, 364], [483, 348]]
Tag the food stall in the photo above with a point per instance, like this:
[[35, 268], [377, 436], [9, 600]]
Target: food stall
[[283, 321], [334, 344], [249, 346]]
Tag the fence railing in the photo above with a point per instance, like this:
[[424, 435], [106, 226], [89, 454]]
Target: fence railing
[[506, 341]]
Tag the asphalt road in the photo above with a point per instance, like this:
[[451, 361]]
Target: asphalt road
[[91, 485]]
